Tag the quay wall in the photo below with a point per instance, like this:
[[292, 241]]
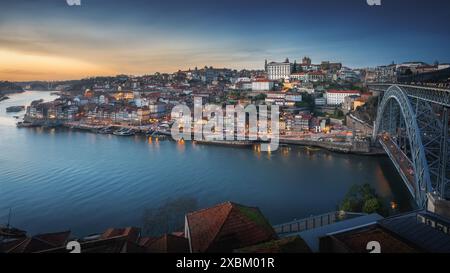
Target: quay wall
[[357, 147]]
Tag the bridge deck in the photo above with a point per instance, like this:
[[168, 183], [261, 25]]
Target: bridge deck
[[401, 162]]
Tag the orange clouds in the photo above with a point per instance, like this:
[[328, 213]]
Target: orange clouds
[[16, 66]]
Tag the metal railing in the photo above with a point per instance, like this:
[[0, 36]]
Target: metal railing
[[314, 222]]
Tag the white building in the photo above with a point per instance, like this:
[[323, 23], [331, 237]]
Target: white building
[[241, 79], [276, 98], [294, 97], [301, 76], [283, 99], [347, 74], [278, 71], [309, 90], [245, 85], [337, 97], [262, 85], [314, 76]]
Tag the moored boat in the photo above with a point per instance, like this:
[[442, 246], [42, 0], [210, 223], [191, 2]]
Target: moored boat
[[106, 130], [24, 124], [15, 109], [124, 132]]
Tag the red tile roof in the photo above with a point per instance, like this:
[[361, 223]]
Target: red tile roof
[[55, 239], [178, 233], [169, 244], [344, 91], [38, 243], [132, 233], [227, 226], [147, 241]]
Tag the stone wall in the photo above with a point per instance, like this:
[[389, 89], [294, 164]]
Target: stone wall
[[358, 125]]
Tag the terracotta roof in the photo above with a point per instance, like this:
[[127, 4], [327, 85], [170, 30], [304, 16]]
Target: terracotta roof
[[344, 91], [178, 233], [37, 243], [113, 245], [55, 239], [8, 247], [147, 241], [113, 240], [169, 244], [227, 226], [132, 233], [316, 73]]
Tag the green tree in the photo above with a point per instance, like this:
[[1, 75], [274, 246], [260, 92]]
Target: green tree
[[372, 205], [362, 198], [261, 97], [338, 113]]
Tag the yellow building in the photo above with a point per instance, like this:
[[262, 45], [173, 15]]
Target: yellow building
[[358, 103]]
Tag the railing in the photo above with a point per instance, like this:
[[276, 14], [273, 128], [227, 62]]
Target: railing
[[314, 222], [435, 95]]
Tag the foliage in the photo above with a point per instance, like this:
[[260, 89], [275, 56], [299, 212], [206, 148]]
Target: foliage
[[371, 205], [338, 113], [261, 97], [362, 198], [9, 87], [308, 101]]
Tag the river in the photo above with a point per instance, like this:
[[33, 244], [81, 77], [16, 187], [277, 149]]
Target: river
[[56, 179]]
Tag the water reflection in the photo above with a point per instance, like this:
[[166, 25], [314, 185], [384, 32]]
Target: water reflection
[[181, 146]]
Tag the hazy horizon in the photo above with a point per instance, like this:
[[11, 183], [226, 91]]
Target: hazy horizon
[[49, 40]]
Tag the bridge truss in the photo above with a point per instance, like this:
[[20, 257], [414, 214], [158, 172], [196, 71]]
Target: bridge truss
[[413, 126]]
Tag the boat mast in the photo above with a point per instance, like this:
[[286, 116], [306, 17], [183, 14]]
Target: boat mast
[[9, 218]]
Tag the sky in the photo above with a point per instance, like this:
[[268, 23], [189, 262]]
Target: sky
[[50, 40]]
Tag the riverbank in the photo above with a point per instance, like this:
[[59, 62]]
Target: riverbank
[[358, 148]]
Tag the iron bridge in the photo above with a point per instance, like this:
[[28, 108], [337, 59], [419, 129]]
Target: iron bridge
[[412, 125]]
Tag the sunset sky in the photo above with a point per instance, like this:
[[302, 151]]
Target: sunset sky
[[49, 40]]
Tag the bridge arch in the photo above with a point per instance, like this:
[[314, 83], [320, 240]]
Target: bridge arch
[[395, 95]]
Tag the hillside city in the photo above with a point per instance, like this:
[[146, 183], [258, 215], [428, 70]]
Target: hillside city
[[325, 102]]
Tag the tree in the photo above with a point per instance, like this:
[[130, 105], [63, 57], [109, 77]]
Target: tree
[[338, 113], [308, 101], [362, 198], [294, 69], [260, 97], [371, 205]]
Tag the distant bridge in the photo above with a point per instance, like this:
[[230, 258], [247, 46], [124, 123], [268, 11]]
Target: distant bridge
[[412, 125]]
